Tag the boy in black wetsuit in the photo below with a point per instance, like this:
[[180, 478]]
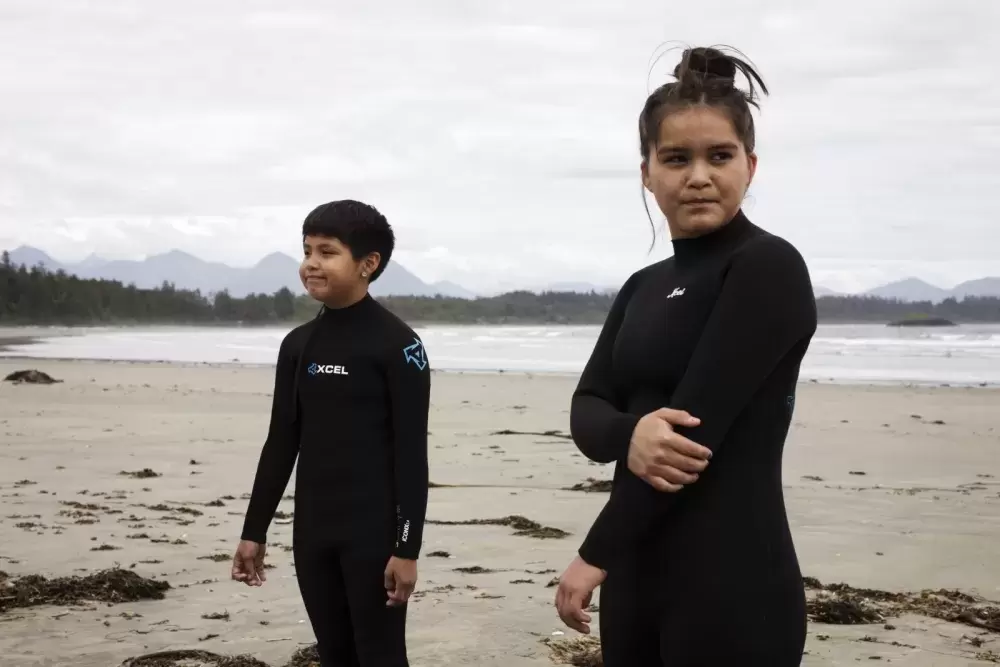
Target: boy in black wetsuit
[[351, 400]]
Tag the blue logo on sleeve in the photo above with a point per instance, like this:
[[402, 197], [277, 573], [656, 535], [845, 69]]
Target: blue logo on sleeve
[[414, 354], [313, 368]]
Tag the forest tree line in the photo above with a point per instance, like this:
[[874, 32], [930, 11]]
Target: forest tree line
[[37, 296]]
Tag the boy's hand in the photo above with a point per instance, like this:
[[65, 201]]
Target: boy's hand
[[400, 578], [248, 563]]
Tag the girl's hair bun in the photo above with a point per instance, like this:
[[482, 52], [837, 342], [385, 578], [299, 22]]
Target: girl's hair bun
[[705, 63]]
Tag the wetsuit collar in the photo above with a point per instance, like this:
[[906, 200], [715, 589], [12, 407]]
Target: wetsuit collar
[[324, 317], [699, 246], [336, 314]]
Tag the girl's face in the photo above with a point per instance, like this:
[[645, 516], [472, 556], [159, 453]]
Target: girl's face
[[330, 273], [698, 171]]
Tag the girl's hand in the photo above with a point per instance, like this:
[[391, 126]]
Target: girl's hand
[[666, 460], [576, 588]]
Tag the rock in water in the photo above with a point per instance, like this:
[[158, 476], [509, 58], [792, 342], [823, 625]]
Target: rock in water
[[31, 377]]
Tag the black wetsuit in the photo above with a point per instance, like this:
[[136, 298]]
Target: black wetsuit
[[351, 397], [707, 576]]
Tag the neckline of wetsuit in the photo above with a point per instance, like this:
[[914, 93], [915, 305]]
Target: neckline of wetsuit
[[337, 315], [691, 249], [325, 317]]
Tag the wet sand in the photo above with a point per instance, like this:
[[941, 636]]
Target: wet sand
[[924, 515]]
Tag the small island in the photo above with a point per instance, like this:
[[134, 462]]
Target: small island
[[923, 322]]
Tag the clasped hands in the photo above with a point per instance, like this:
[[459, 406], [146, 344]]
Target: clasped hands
[[662, 458]]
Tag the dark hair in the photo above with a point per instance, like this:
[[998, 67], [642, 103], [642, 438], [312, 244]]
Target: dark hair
[[357, 225], [704, 76]]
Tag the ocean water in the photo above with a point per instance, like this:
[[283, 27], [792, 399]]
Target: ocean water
[[962, 355]]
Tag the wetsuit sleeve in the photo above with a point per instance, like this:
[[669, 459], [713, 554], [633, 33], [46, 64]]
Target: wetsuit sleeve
[[277, 458], [599, 426], [766, 307], [409, 394]]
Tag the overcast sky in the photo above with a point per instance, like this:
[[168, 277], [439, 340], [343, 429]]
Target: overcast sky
[[498, 137]]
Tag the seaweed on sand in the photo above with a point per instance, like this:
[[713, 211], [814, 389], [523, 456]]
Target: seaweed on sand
[[583, 651], [521, 525], [111, 586], [192, 658]]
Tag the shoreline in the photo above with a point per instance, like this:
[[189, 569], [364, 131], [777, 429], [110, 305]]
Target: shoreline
[[6, 342], [39, 345], [6, 356]]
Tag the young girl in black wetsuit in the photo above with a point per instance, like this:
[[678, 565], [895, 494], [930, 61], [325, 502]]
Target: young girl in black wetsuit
[[351, 399], [690, 389]]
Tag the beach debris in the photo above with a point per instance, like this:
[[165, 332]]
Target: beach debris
[[522, 526], [112, 586], [555, 433], [31, 376], [216, 616], [439, 554], [843, 611], [577, 651], [475, 569], [842, 604], [192, 658], [592, 485], [217, 557], [307, 656], [162, 507], [89, 507], [145, 473]]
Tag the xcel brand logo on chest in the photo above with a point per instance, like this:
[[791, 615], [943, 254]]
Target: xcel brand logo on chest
[[326, 369]]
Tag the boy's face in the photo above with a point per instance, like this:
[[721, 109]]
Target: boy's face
[[329, 271]]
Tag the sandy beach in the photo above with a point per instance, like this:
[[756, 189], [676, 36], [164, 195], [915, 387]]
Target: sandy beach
[[888, 488]]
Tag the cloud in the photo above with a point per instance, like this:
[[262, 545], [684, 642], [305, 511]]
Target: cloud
[[499, 138]]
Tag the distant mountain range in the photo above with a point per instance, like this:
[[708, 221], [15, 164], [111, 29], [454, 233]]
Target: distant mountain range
[[279, 270], [186, 271], [914, 289], [910, 289]]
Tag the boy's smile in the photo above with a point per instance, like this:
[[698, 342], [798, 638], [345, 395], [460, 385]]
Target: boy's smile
[[330, 273]]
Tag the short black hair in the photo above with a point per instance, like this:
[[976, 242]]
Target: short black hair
[[357, 225]]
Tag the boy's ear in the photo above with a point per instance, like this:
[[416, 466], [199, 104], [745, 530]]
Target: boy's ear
[[372, 262]]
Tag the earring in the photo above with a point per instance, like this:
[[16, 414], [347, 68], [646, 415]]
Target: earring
[[364, 274]]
